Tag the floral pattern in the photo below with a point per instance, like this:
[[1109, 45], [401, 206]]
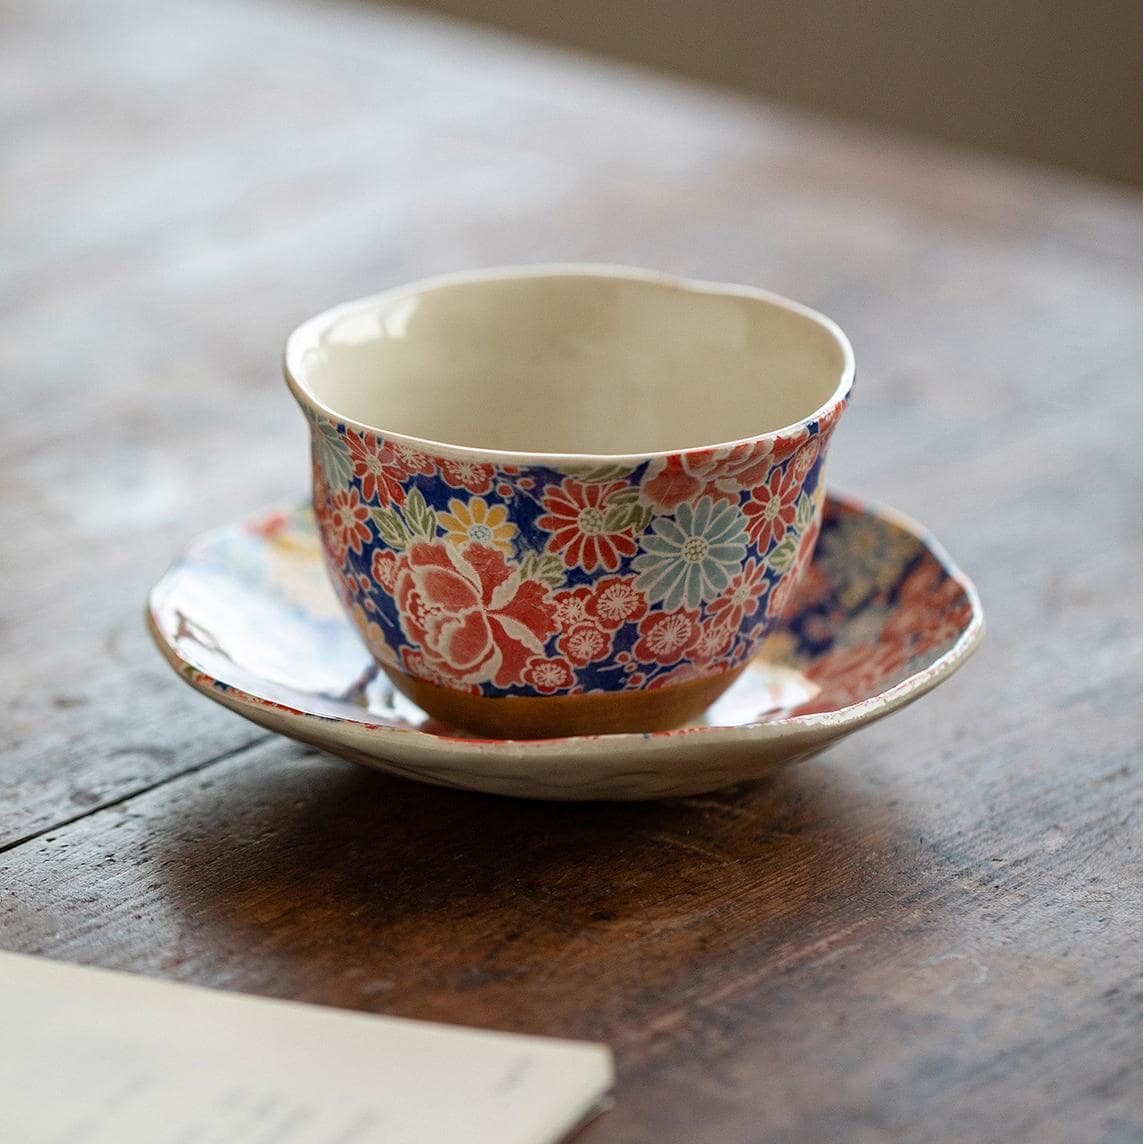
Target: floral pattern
[[535, 580], [478, 523], [691, 557], [473, 615], [584, 529]]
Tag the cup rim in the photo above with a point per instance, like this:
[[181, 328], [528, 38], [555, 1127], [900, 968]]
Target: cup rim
[[306, 334]]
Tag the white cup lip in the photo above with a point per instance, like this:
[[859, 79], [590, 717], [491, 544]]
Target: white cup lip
[[308, 332]]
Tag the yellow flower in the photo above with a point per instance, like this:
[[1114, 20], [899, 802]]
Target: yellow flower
[[476, 521]]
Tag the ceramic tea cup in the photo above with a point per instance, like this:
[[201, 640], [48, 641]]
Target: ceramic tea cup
[[567, 499]]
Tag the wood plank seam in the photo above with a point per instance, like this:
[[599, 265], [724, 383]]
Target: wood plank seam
[[133, 794]]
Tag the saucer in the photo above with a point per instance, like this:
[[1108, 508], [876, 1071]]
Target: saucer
[[247, 616]]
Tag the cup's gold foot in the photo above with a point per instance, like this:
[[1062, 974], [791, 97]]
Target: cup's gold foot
[[558, 716]]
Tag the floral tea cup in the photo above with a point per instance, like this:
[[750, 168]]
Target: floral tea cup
[[567, 499]]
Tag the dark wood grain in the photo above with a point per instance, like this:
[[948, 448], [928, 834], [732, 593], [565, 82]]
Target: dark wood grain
[[931, 932]]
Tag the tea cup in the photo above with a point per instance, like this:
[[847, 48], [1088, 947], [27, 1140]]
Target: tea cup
[[567, 499]]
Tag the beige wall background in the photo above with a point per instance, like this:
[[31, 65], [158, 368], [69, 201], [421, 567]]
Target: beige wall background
[[1047, 80]]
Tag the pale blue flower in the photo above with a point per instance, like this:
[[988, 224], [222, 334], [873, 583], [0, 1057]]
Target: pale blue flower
[[691, 558]]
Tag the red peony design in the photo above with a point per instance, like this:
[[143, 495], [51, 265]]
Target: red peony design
[[575, 515], [616, 602], [665, 637], [741, 598], [383, 568], [718, 473], [418, 664], [346, 523], [771, 509], [585, 643], [374, 462], [548, 675], [471, 475], [474, 617]]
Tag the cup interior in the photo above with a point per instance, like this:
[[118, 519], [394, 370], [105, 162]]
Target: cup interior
[[570, 361]]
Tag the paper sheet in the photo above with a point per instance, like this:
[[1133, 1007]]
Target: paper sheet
[[95, 1057]]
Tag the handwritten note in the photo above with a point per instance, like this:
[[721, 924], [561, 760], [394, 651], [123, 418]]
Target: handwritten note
[[94, 1057]]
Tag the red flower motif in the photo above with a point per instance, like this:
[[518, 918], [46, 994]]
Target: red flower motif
[[666, 636], [374, 466], [771, 509], [789, 443], [548, 675], [575, 515], [571, 607], [383, 568], [617, 602], [474, 617], [713, 640], [804, 459], [408, 460], [418, 664], [740, 599], [718, 473], [346, 527], [585, 643], [471, 475]]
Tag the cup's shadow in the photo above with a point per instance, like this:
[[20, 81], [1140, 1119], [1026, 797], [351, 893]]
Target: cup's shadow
[[314, 879]]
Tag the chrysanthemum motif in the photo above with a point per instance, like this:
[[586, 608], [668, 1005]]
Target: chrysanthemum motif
[[691, 559], [476, 521], [577, 516]]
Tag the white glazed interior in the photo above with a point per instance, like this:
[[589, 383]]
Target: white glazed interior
[[570, 361]]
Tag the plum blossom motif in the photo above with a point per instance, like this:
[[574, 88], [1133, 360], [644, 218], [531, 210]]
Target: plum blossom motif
[[548, 675], [691, 559], [571, 607], [585, 643], [616, 601], [471, 475], [473, 616], [666, 636]]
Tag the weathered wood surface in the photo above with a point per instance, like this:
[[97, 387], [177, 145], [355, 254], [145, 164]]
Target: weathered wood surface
[[931, 932]]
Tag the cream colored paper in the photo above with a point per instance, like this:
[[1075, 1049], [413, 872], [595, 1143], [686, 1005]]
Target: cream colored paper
[[94, 1057]]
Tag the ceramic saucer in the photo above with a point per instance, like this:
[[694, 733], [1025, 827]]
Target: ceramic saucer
[[246, 616]]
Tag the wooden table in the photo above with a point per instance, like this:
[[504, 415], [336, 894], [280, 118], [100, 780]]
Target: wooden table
[[930, 932]]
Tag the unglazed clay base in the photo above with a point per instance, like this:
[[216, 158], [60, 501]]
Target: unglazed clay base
[[544, 717]]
